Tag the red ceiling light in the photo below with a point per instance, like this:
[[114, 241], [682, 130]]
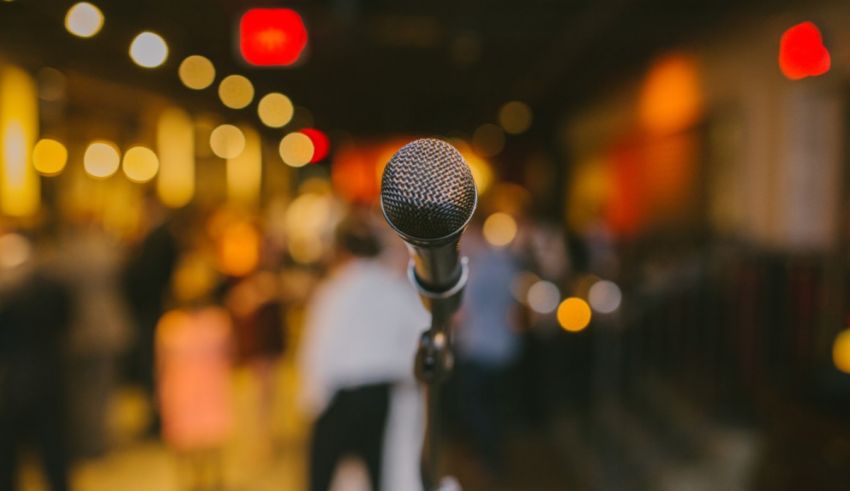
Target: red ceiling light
[[802, 53], [321, 144], [272, 37]]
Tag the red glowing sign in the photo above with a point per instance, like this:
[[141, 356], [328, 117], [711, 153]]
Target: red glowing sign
[[802, 53], [321, 144], [272, 37]]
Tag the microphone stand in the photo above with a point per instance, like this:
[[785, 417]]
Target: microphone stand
[[433, 364]]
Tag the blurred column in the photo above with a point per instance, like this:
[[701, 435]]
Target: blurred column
[[19, 183], [244, 172], [175, 140]]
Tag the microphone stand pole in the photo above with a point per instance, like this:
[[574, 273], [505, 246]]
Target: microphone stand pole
[[434, 363]]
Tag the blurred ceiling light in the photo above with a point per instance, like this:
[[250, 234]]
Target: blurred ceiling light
[[515, 117], [605, 296], [148, 50], [175, 145], [488, 139], [543, 297], [271, 36], [802, 52], [196, 72], [15, 250], [671, 96], [236, 91], [841, 351], [140, 164], [499, 229], [321, 144], [20, 187], [275, 110], [227, 141], [574, 314], [49, 157], [101, 159], [296, 149], [83, 20]]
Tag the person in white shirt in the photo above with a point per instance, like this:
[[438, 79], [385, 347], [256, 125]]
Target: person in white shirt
[[362, 329]]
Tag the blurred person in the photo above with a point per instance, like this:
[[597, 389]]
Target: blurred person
[[35, 313], [256, 308], [487, 344], [361, 335], [147, 278], [194, 353], [100, 332]]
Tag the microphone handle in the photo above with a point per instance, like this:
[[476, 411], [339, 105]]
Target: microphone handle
[[438, 268]]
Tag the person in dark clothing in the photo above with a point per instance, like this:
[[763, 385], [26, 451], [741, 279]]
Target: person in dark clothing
[[34, 318], [147, 280]]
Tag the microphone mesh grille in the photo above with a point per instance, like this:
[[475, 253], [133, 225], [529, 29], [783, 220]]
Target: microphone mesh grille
[[427, 190]]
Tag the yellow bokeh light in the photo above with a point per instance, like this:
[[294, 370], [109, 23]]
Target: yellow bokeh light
[[83, 20], [275, 110], [236, 91], [574, 314], [196, 72], [101, 159], [49, 157], [296, 149], [227, 141], [148, 50], [140, 164], [499, 229], [515, 117], [841, 351], [671, 97]]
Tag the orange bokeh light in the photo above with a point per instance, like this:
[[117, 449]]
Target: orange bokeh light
[[671, 97]]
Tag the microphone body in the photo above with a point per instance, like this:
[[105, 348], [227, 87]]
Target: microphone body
[[428, 196]]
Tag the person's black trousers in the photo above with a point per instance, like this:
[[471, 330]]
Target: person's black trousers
[[352, 425]]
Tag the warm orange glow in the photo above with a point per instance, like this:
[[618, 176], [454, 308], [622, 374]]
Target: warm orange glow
[[671, 98], [20, 190], [499, 229], [589, 189], [574, 314], [239, 249], [841, 351], [307, 219], [49, 157]]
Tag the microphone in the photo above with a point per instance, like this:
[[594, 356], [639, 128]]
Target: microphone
[[428, 197]]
